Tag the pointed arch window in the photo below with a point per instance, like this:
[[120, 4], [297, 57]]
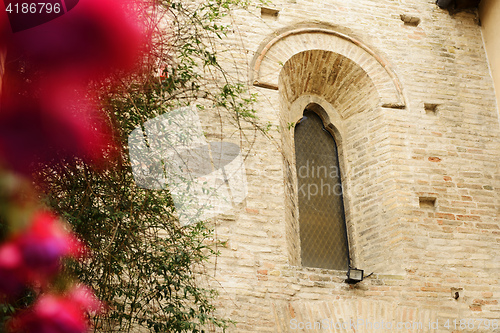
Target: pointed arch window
[[323, 234]]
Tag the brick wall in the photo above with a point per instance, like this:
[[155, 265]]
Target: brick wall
[[415, 111]]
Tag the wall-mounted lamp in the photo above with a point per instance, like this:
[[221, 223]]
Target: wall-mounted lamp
[[354, 275]]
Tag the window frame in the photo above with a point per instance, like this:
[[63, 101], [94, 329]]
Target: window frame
[[333, 122], [334, 238]]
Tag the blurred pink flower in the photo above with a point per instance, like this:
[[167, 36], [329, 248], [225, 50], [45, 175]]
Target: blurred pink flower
[[59, 125], [58, 313], [47, 116], [34, 255], [45, 242], [45, 113], [85, 298], [94, 38], [12, 279]]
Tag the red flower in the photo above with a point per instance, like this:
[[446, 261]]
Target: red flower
[[59, 125], [35, 255], [93, 38], [45, 243], [58, 313], [44, 112], [12, 279]]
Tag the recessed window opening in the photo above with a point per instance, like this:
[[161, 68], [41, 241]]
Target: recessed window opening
[[427, 202], [323, 234]]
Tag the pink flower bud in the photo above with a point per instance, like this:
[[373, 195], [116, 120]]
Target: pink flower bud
[[44, 243], [11, 275], [58, 313], [34, 255]]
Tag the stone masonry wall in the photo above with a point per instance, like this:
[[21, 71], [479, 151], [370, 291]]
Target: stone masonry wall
[[420, 155]]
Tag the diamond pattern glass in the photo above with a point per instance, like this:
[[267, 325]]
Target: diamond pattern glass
[[323, 236]]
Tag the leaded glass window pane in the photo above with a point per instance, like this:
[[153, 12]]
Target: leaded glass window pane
[[323, 236]]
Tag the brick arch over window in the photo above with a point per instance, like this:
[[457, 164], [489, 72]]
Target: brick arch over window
[[337, 79], [283, 45]]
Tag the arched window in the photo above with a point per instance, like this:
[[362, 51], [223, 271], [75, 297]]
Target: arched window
[[323, 235]]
